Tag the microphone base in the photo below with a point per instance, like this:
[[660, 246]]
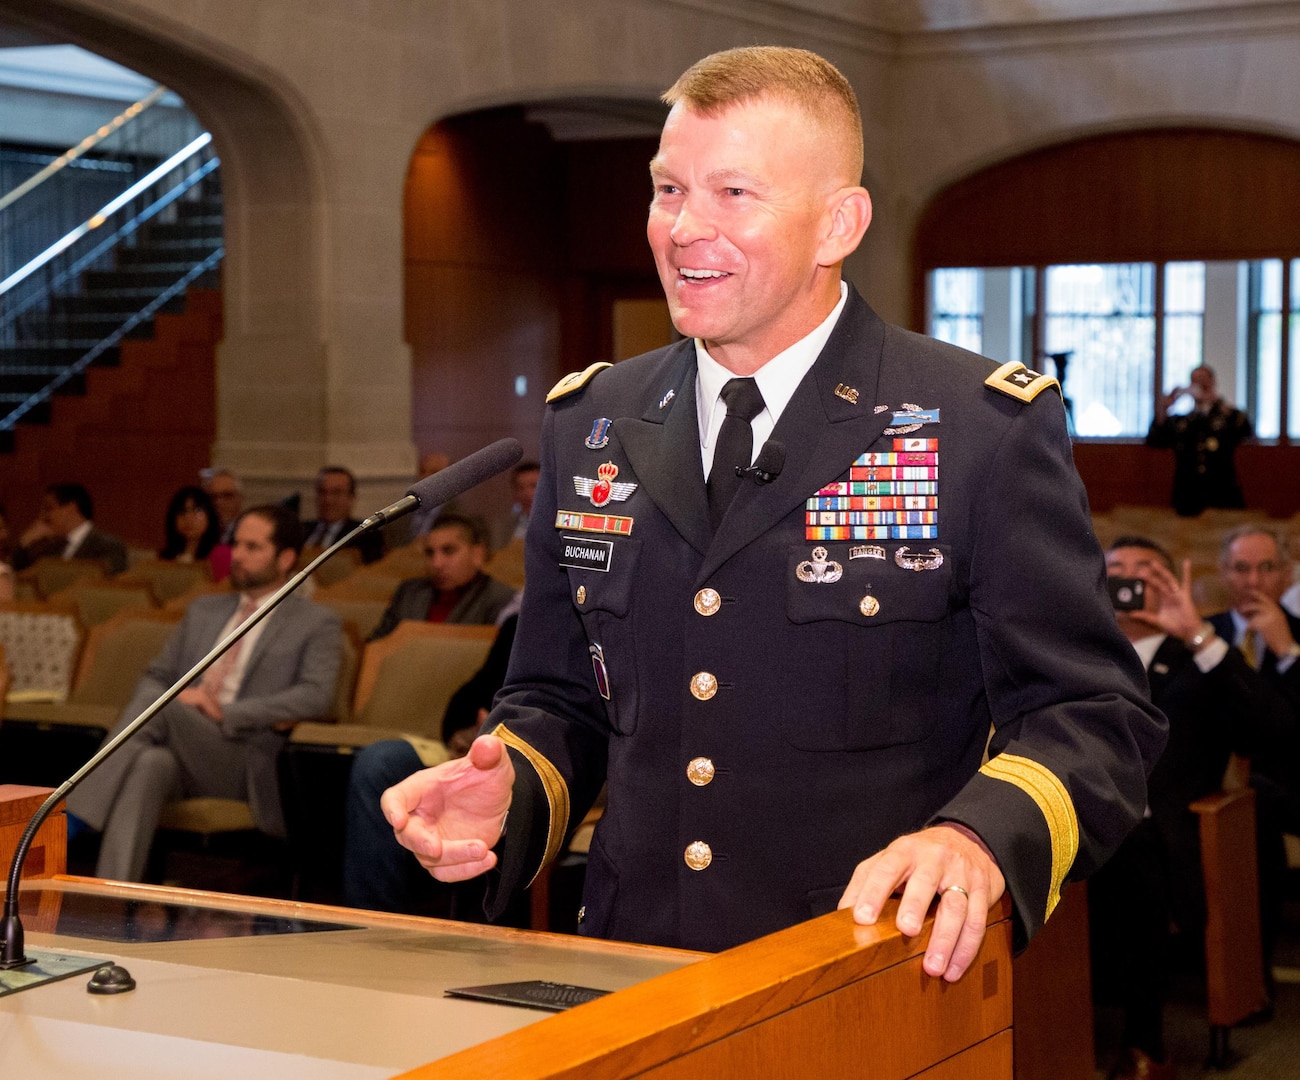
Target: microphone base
[[43, 966]]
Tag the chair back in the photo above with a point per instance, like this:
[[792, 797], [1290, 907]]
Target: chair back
[[366, 584], [408, 677], [42, 645], [4, 682], [167, 579], [117, 653], [340, 565], [508, 564], [97, 603], [349, 665], [52, 574], [361, 616]]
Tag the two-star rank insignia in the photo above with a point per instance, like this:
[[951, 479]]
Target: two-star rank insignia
[[1017, 381], [603, 489]]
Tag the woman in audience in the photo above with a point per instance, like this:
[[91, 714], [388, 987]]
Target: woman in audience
[[194, 531]]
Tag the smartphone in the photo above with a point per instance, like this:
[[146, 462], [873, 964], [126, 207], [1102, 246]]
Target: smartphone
[[1127, 593]]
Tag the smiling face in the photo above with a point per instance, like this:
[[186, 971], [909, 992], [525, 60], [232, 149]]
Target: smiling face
[[749, 225]]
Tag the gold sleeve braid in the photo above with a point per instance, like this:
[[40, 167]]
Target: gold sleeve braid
[[557, 792], [1049, 794]]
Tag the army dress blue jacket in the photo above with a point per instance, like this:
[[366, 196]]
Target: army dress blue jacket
[[775, 702]]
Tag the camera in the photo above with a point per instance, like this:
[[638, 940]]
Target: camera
[[1126, 593]]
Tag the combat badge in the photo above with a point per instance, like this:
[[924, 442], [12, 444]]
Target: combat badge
[[820, 569], [1017, 381], [603, 490], [930, 560], [599, 437]]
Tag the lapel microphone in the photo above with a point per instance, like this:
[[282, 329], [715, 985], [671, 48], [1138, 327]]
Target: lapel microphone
[[768, 465]]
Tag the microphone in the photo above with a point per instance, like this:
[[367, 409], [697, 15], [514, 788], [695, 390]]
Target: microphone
[[768, 465], [446, 484], [433, 490]]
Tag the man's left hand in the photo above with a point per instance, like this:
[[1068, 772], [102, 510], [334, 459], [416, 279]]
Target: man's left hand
[[948, 861]]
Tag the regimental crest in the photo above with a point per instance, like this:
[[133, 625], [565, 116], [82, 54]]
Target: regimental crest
[[599, 437], [603, 489]]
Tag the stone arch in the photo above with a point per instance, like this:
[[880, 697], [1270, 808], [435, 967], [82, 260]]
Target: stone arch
[[272, 178]]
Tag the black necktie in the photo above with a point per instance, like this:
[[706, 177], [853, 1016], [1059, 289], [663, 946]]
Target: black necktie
[[735, 446]]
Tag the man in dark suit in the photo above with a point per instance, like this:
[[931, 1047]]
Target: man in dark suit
[[1216, 706], [1255, 567], [455, 590], [788, 672], [66, 529], [336, 492], [222, 734]]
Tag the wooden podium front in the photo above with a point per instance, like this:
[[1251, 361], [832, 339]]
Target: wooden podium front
[[363, 998]]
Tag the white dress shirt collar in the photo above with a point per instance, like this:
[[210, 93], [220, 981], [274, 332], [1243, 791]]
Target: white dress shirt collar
[[777, 381], [75, 539]]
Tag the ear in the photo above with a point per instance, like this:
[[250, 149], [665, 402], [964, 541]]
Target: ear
[[848, 213], [286, 560]]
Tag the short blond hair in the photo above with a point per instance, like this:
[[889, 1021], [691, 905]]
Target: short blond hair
[[802, 78]]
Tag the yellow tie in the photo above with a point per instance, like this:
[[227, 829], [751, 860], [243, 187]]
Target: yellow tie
[[1250, 648]]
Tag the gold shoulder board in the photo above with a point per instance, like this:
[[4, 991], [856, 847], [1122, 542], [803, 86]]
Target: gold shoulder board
[[1017, 381], [575, 380]]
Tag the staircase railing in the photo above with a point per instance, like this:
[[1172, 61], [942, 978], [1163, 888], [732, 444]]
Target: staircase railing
[[43, 343]]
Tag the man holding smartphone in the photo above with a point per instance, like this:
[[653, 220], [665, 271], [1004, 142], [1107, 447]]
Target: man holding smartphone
[[1217, 705]]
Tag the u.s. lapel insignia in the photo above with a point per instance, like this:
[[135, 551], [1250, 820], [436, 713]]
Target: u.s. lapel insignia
[[1017, 381], [603, 489], [663, 401], [869, 605], [848, 393], [820, 569], [599, 437]]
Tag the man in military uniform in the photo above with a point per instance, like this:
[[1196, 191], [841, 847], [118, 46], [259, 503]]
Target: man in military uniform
[[1204, 442], [787, 672]]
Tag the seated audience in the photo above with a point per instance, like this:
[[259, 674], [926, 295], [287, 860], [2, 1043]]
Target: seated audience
[[65, 528], [523, 487], [378, 873], [1255, 568], [336, 492], [421, 521], [193, 532], [455, 589], [1216, 706], [222, 734], [227, 495]]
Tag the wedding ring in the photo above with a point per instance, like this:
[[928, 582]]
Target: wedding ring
[[957, 888]]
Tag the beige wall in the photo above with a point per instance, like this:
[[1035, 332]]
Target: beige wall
[[318, 105]]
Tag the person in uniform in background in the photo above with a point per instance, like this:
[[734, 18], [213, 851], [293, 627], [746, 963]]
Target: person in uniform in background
[[768, 609], [1204, 442]]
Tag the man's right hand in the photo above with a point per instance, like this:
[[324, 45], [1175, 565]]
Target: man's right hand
[[450, 816]]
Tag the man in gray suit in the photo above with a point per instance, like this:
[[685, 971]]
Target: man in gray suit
[[455, 590], [221, 735]]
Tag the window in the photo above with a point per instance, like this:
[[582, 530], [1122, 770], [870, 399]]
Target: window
[[1112, 331]]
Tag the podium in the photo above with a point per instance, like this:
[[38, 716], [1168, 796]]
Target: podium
[[263, 988]]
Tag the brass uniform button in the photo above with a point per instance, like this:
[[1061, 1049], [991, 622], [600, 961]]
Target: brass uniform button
[[582, 595], [868, 605], [707, 601], [703, 686], [700, 771], [698, 855]]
